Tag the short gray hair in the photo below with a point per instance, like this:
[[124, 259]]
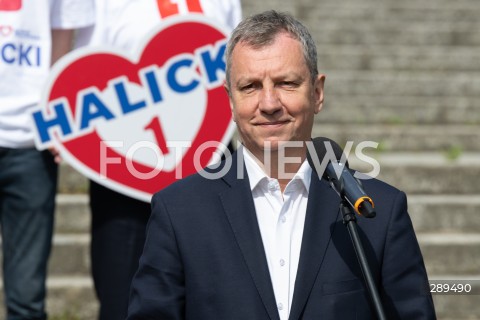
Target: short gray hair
[[261, 29]]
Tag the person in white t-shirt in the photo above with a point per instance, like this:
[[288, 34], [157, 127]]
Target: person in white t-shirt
[[33, 35], [118, 221]]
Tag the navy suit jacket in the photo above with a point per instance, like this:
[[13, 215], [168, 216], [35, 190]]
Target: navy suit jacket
[[204, 258]]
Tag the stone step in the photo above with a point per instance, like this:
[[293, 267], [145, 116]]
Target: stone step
[[70, 181], [445, 213], [404, 138], [398, 58], [70, 255], [72, 214], [400, 33], [71, 298], [365, 109], [402, 83], [438, 5], [367, 9], [373, 4], [456, 254], [425, 173], [385, 14], [68, 298], [457, 306], [387, 11]]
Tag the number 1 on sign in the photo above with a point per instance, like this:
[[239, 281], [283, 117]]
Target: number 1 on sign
[[156, 127]]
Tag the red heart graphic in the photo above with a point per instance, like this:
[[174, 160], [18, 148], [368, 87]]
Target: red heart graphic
[[5, 30], [10, 5], [178, 36]]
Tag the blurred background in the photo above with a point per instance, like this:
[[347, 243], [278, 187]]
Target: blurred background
[[404, 74]]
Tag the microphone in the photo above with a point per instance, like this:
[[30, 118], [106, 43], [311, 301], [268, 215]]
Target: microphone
[[336, 171]]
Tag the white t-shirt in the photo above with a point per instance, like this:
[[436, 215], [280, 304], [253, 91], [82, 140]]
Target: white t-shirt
[[123, 24], [25, 58]]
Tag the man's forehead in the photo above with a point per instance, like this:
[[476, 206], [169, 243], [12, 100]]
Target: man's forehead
[[262, 42]]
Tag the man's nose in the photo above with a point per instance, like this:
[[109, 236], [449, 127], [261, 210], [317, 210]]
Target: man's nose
[[269, 101]]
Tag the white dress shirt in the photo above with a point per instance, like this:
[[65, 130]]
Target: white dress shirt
[[281, 218]]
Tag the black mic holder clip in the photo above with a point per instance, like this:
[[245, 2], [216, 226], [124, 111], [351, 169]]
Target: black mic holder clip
[[347, 213]]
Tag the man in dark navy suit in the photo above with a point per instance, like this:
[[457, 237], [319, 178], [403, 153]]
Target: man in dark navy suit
[[261, 236]]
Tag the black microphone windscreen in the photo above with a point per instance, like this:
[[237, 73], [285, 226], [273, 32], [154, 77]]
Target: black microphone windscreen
[[320, 152]]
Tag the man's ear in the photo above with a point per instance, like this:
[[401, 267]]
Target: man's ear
[[318, 92], [230, 101]]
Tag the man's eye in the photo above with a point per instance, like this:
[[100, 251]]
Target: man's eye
[[248, 87], [291, 84]]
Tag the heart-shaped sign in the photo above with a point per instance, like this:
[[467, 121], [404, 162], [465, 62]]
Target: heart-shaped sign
[[137, 124]]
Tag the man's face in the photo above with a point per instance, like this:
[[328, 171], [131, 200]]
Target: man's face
[[272, 96]]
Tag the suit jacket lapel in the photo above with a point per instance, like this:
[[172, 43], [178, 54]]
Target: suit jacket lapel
[[240, 210], [322, 212]]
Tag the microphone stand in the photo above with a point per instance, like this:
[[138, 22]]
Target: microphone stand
[[350, 221]]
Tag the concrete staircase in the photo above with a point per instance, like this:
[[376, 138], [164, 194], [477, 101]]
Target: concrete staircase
[[405, 74]]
